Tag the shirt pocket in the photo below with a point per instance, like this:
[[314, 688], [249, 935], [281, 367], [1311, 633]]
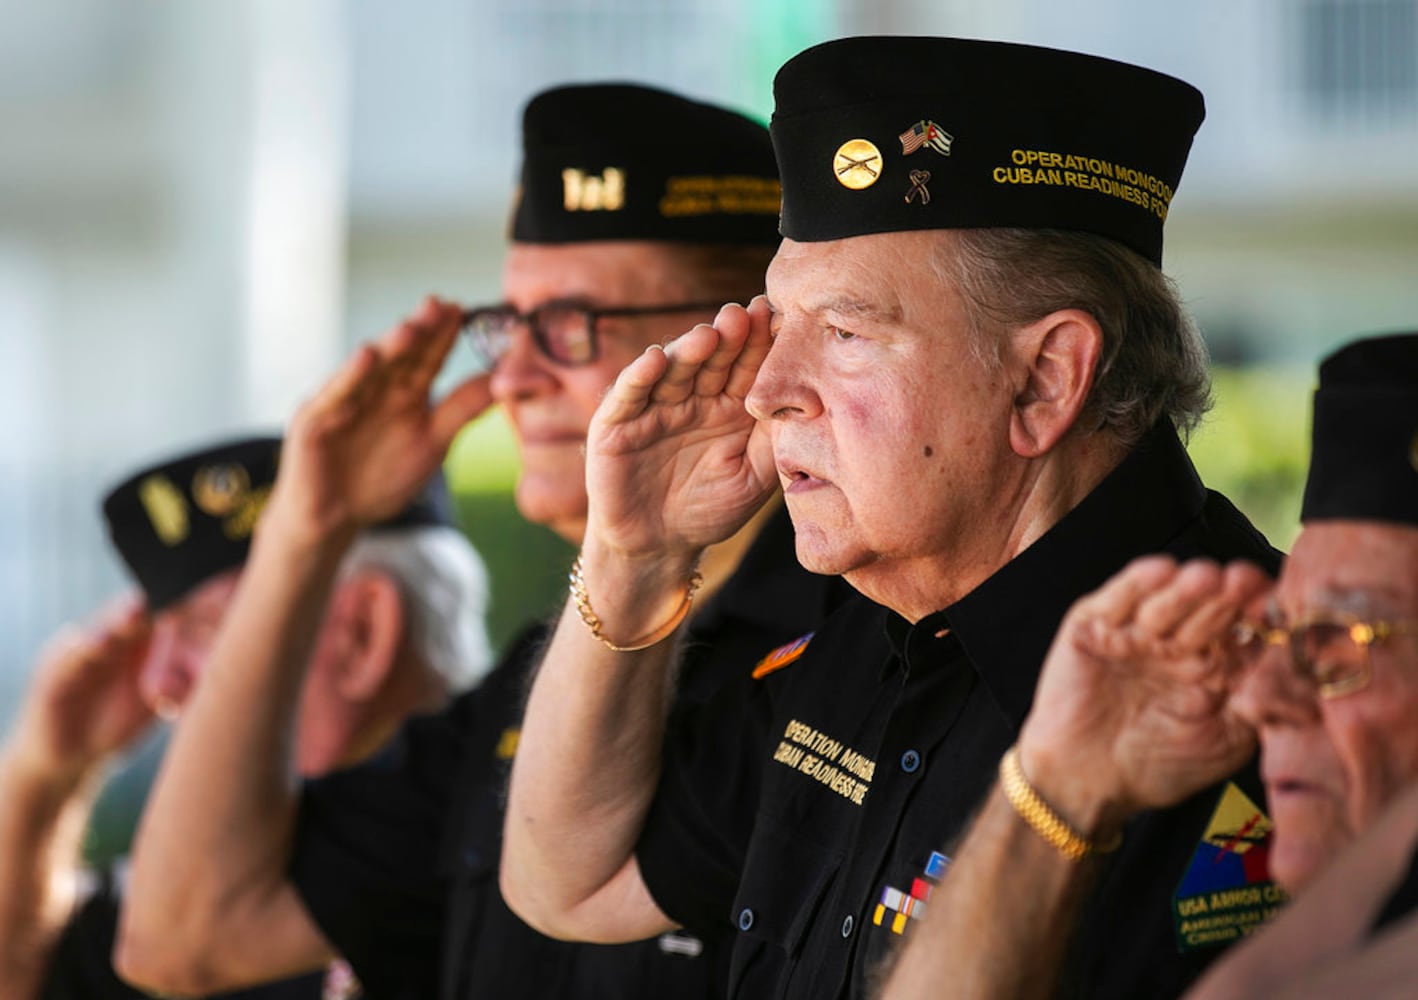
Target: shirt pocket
[[784, 884], [892, 911]]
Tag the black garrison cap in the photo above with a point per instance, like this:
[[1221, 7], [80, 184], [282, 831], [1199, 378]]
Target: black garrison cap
[[878, 135], [181, 522], [619, 161], [1364, 464]]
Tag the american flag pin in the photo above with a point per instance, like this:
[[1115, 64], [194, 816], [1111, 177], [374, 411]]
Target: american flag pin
[[925, 133]]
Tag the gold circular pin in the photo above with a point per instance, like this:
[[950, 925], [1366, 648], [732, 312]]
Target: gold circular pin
[[857, 164], [220, 489]]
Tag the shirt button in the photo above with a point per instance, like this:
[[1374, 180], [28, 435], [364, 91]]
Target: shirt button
[[910, 760], [847, 924], [745, 919]]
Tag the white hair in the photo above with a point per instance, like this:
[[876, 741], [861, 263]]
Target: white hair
[[1154, 362], [445, 589]]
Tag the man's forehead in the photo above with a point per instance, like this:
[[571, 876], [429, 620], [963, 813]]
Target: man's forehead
[[597, 272], [209, 597], [1357, 566], [870, 277]]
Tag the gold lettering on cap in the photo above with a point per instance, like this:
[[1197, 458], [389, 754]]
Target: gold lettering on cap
[[583, 192], [1086, 173], [857, 164], [166, 508], [220, 489], [243, 521], [715, 195]]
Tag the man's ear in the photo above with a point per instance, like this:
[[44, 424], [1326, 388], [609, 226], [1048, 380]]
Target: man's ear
[[373, 619], [1058, 357]]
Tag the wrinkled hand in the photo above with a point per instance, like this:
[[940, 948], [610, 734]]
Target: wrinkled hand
[[84, 702], [1132, 706], [674, 460], [362, 447]]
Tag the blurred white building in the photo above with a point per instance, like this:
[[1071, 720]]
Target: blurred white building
[[203, 205]]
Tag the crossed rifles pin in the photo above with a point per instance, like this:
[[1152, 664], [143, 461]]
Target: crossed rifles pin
[[857, 164]]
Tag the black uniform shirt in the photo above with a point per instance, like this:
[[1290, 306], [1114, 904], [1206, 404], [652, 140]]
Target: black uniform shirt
[[814, 808], [81, 967], [1402, 900], [397, 860]]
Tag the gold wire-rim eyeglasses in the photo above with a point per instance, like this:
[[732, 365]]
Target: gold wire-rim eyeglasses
[[1314, 656]]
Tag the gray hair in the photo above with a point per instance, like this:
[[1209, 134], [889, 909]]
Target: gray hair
[[1154, 362], [445, 589]]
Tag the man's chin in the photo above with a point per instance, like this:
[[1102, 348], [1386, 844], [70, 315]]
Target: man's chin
[[562, 511], [817, 554], [549, 449], [1295, 862]]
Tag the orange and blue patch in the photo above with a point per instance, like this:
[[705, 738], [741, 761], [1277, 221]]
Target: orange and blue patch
[[904, 906], [1226, 892], [782, 656]]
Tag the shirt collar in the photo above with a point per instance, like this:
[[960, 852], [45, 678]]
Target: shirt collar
[[1007, 623], [919, 644]]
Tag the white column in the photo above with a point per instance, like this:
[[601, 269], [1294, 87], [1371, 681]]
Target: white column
[[296, 220]]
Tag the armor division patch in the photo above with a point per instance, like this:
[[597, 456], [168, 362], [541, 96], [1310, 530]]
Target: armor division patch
[[1226, 892]]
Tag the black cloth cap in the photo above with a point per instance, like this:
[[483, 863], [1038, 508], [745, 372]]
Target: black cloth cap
[[1364, 463], [619, 161], [879, 135], [181, 522]]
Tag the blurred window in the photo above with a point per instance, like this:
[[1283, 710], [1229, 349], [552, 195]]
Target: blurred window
[[1358, 59]]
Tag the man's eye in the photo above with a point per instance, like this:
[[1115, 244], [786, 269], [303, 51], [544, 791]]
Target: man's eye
[[841, 334]]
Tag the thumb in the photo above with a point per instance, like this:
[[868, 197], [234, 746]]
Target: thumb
[[462, 404]]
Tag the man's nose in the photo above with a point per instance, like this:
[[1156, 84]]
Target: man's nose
[[167, 676], [1271, 693], [782, 388], [521, 371]]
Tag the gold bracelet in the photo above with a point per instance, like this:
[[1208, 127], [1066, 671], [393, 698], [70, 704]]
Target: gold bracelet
[[583, 608], [1045, 822]]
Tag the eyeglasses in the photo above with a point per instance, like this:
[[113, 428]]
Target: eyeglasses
[[565, 332], [1332, 653]]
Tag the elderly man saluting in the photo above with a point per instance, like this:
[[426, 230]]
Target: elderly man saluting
[[1139, 704], [968, 376]]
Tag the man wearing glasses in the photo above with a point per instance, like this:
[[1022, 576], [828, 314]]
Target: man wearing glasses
[[1164, 679], [622, 236]]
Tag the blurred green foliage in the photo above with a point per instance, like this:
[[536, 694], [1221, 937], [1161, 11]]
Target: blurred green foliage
[[527, 563], [1254, 446]]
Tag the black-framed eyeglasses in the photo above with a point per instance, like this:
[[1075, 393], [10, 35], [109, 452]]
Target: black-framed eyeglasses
[[565, 332], [1332, 652]]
